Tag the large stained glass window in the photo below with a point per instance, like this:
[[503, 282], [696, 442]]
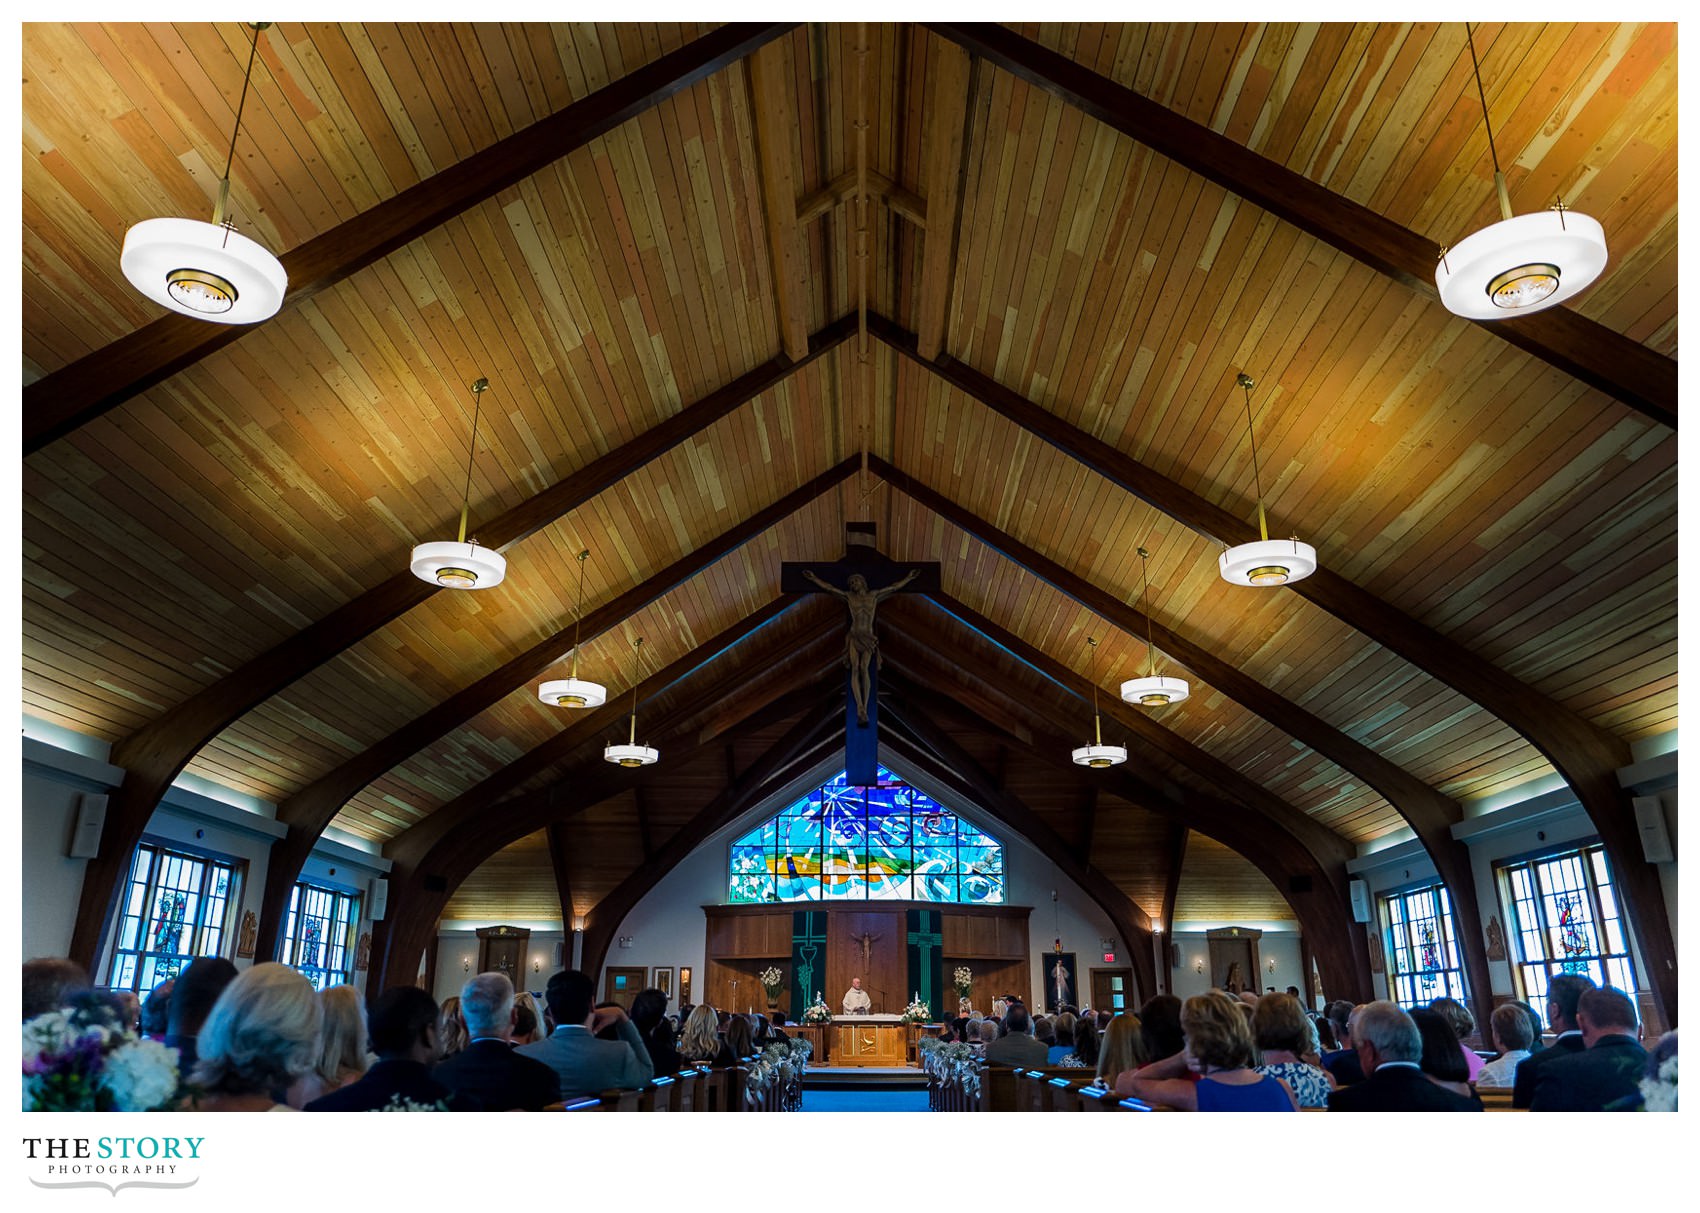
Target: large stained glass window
[[890, 842], [318, 934], [1565, 920], [175, 909], [1423, 963]]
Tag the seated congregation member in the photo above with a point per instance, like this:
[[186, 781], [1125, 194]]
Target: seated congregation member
[[738, 1043], [1462, 1023], [1061, 1043], [1512, 1034], [1219, 1048], [1440, 1060], [49, 983], [156, 1010], [700, 1040], [403, 1031], [258, 1039], [1564, 993], [528, 1020], [1608, 1068], [1017, 1047], [986, 1032], [489, 1070], [1121, 1050], [1343, 1066], [583, 1064], [1282, 1032], [1390, 1049], [1536, 1044], [649, 1016], [341, 1056], [1045, 1032], [1160, 1024], [1084, 1054], [779, 1032], [197, 989], [451, 1029]]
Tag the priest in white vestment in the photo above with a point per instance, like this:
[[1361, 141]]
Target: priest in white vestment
[[856, 1000]]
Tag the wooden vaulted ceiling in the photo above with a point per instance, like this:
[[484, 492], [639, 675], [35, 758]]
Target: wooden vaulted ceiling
[[1515, 508]]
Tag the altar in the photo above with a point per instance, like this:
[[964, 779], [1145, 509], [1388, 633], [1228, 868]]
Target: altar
[[869, 1040]]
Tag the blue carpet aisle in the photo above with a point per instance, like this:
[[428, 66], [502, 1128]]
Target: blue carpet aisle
[[875, 1100]]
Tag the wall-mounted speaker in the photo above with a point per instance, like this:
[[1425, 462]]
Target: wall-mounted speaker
[[1655, 834], [561, 954], [1360, 901], [379, 901], [91, 820], [1174, 955]]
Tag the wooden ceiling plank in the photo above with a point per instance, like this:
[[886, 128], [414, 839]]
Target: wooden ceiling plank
[[948, 91], [1640, 378], [773, 110], [73, 395]]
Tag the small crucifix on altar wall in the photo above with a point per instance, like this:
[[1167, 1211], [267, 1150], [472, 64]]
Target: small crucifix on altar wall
[[867, 939], [862, 580]]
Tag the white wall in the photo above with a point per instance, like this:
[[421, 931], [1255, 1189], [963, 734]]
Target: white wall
[[1194, 946], [458, 945], [53, 779]]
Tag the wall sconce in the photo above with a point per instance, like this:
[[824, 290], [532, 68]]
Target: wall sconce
[[466, 964], [578, 922], [536, 964], [1271, 965], [1198, 964]]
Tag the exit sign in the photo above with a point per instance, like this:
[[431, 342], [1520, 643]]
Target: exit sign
[[1109, 958]]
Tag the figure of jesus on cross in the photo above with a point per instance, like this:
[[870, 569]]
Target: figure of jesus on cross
[[861, 646]]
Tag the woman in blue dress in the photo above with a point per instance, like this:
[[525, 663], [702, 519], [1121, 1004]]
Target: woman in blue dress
[[1214, 1072]]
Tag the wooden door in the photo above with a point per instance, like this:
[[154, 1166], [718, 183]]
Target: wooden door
[[502, 950], [619, 985], [1112, 990]]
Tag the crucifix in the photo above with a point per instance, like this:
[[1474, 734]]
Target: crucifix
[[862, 580], [866, 939]]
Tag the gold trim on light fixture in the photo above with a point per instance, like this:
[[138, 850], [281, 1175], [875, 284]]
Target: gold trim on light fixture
[[461, 564], [1097, 755], [1264, 561]]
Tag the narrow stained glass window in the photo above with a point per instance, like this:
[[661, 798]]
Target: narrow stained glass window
[[173, 910], [1423, 963], [889, 842], [1565, 919], [318, 933]]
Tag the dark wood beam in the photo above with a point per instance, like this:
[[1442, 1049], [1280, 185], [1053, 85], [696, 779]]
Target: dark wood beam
[[1641, 378], [72, 396], [1429, 812], [774, 114], [560, 854], [904, 203], [951, 83], [156, 754], [1088, 813], [912, 734], [1584, 754], [640, 802], [1175, 856]]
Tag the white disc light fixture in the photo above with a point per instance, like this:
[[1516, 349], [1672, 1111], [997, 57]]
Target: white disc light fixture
[[1153, 690], [1523, 264], [207, 270], [1097, 754], [461, 563], [631, 754], [575, 692], [1266, 561]]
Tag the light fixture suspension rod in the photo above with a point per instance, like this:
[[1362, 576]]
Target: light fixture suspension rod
[[1145, 601], [1097, 721], [478, 388], [578, 621], [1247, 382], [1498, 176], [241, 103], [637, 652]]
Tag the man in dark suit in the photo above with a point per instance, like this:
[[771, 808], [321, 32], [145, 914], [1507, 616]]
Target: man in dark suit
[[1564, 993], [1389, 1046], [1343, 1062], [488, 1070], [583, 1064], [403, 1031], [1018, 1046], [1609, 1066], [192, 996]]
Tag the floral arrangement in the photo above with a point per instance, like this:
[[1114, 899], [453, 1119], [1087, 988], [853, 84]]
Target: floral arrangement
[[782, 1062], [817, 1011], [1658, 1091], [771, 978], [952, 1064], [963, 979], [916, 1012], [80, 1059], [398, 1104]]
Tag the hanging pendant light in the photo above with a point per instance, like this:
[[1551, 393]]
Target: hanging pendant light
[[461, 564], [1098, 754], [575, 692], [1523, 264], [1268, 561], [207, 270], [1154, 690], [631, 754]]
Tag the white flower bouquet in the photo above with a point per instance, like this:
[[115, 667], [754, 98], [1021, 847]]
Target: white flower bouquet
[[771, 978], [916, 1012], [963, 979], [817, 1011], [80, 1059]]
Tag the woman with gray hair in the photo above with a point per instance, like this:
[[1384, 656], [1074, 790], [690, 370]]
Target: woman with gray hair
[[262, 1035]]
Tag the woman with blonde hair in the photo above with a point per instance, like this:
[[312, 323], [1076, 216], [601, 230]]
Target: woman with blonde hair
[[1219, 1049], [700, 1040], [342, 1046], [451, 1029], [261, 1036], [528, 1020], [1121, 1050]]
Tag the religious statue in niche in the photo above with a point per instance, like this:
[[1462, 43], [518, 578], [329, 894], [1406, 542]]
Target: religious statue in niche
[[363, 952], [247, 936], [1495, 939], [1234, 982], [1377, 963], [1061, 979], [861, 646]]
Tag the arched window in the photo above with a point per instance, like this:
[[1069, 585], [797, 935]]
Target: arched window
[[890, 842]]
